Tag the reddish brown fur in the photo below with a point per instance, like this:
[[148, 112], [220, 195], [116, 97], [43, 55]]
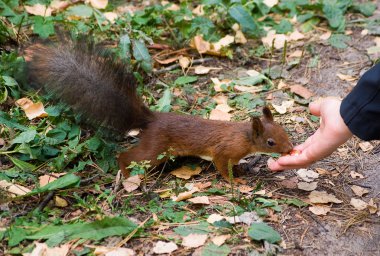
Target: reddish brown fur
[[194, 136]]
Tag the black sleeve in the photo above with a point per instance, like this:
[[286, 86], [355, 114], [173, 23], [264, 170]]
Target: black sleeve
[[360, 109]]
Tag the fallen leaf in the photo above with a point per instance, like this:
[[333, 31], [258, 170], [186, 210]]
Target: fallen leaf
[[132, 183], [200, 44], [260, 192], [358, 204], [281, 85], [270, 3], [296, 54], [42, 249], [233, 219], [322, 171], [58, 5], [199, 200], [355, 175], [215, 217], [162, 247], [194, 240], [319, 209], [13, 188], [60, 202], [366, 146], [186, 172], [281, 109], [203, 185], [307, 186], [290, 183], [377, 41], [359, 191], [172, 7], [322, 197], [372, 206], [218, 84], [112, 251], [219, 240], [201, 70], [240, 37], [364, 32], [250, 89], [219, 115], [39, 10], [184, 62], [185, 195], [296, 35], [47, 178], [166, 61], [199, 11], [245, 189], [110, 16], [279, 39], [224, 108], [249, 217], [301, 91], [220, 99], [99, 4], [307, 175], [347, 78], [223, 42], [325, 36], [32, 110]]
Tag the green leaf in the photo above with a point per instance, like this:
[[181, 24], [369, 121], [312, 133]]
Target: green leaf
[[334, 12], [5, 120], [68, 180], [96, 230], [185, 80], [213, 250], [21, 164], [25, 137], [245, 20], [125, 47], [338, 41], [262, 231], [3, 94], [366, 9], [80, 10], [295, 202], [201, 228], [310, 24], [141, 54], [164, 104], [43, 26], [16, 235], [283, 27]]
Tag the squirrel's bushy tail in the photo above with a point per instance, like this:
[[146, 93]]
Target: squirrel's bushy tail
[[95, 85]]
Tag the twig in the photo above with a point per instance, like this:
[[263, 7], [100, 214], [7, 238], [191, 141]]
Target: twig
[[46, 200], [174, 66], [125, 240]]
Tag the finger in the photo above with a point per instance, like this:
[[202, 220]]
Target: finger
[[315, 107]]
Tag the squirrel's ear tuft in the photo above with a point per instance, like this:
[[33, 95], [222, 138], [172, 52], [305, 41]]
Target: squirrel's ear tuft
[[267, 114], [257, 127]]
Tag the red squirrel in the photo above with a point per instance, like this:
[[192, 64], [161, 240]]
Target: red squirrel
[[103, 90]]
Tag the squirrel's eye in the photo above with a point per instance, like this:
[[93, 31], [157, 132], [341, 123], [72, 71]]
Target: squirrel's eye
[[271, 142]]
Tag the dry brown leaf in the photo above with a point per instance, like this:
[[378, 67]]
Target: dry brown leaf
[[372, 206], [223, 42], [322, 197], [166, 61], [132, 183], [162, 247], [325, 36], [200, 44], [218, 84], [219, 115], [296, 35], [172, 7], [32, 110], [47, 178], [240, 37], [319, 209], [58, 5], [201, 185], [307, 175], [245, 189], [296, 54], [215, 217], [307, 186], [260, 192], [279, 39], [199, 200], [42, 249], [194, 240], [99, 4], [355, 175], [186, 172], [112, 251], [220, 99], [250, 89], [185, 195], [322, 171], [359, 191], [219, 240], [60, 202], [366, 146], [358, 204], [110, 16], [281, 109], [270, 3], [199, 11], [184, 62], [301, 91], [201, 70], [377, 41], [13, 188], [224, 108], [39, 9], [364, 32], [347, 78], [282, 85], [290, 183]]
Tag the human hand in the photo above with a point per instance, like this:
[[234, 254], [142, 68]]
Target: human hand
[[332, 133]]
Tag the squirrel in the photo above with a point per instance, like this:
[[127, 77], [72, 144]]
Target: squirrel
[[103, 90]]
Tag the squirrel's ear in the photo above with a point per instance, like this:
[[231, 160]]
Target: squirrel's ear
[[257, 127], [267, 114]]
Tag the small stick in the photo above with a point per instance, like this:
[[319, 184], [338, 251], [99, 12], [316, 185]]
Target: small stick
[[174, 66], [46, 200], [125, 240]]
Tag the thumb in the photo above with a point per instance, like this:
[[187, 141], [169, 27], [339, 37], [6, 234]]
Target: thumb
[[315, 107]]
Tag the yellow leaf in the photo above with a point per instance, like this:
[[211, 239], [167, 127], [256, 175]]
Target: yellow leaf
[[39, 9], [32, 110], [186, 172], [99, 4]]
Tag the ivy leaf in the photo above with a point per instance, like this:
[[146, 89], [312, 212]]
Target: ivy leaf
[[43, 26], [262, 231]]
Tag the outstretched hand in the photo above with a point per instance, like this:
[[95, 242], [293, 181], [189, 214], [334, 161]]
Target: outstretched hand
[[332, 133]]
